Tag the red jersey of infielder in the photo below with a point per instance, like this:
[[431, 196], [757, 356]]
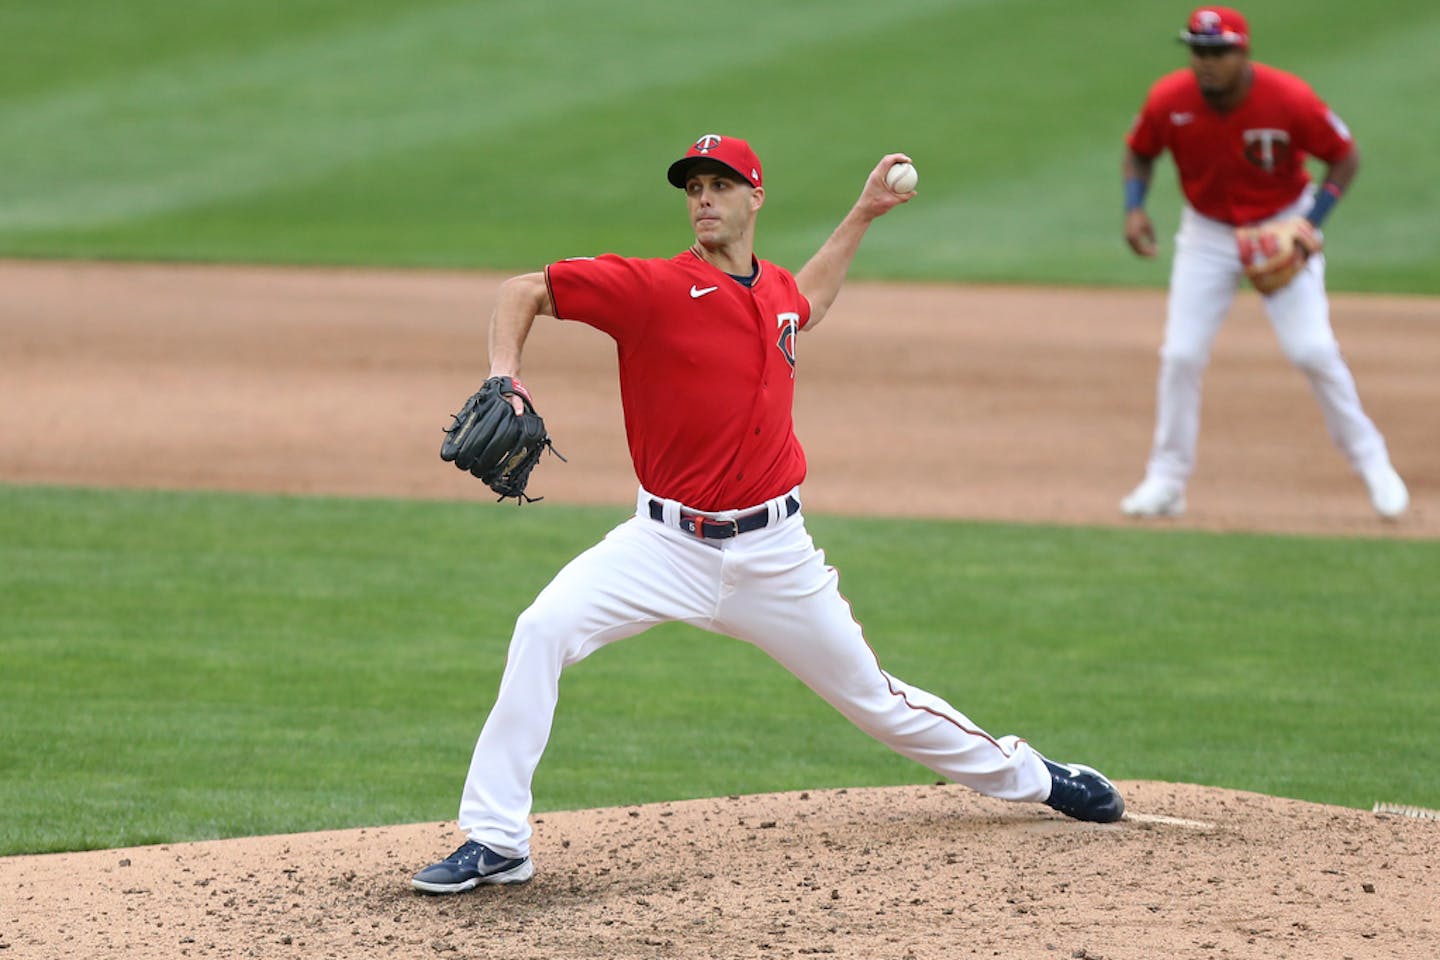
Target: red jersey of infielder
[[1247, 164], [1240, 133], [706, 350]]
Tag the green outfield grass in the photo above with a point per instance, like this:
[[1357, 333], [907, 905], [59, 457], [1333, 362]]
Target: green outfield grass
[[505, 135], [189, 666]]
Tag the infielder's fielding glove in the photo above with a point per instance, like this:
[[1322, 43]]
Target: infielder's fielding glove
[[1273, 253], [489, 439]]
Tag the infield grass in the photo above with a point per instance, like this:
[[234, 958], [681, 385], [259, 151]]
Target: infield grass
[[188, 666], [507, 135]]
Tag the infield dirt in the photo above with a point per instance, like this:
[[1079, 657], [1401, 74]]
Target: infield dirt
[[1031, 405]]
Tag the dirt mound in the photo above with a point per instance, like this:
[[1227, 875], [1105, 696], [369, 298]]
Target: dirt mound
[[897, 872]]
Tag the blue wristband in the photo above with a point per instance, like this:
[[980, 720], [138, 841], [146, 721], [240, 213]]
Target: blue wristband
[[1135, 193], [1324, 202]]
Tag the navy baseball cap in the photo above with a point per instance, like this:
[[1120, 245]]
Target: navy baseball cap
[[728, 151], [1216, 27]]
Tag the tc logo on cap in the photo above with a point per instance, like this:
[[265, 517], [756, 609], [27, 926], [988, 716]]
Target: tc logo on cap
[[730, 152]]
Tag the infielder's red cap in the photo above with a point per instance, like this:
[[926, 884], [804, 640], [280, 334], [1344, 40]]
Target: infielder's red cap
[[730, 151], [1216, 27]]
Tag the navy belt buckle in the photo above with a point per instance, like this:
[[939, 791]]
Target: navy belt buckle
[[732, 530]]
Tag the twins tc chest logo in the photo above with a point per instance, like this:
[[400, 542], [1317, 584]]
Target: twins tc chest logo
[[1267, 149], [789, 324]]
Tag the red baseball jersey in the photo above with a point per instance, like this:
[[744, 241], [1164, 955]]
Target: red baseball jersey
[[707, 371], [1246, 164]]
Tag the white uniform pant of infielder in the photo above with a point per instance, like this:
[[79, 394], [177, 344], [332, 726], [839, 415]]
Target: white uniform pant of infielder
[[1204, 278], [770, 587]]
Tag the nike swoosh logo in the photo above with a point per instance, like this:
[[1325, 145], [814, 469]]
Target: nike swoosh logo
[[697, 292], [1180, 119]]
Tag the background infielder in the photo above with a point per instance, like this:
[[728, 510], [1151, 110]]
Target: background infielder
[[1240, 132], [707, 352]]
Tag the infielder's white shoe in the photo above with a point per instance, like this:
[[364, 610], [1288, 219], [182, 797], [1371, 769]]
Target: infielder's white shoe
[[1155, 498], [1387, 491]]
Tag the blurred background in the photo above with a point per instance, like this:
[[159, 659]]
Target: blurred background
[[505, 135]]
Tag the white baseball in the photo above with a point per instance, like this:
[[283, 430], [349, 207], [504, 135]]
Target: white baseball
[[902, 177]]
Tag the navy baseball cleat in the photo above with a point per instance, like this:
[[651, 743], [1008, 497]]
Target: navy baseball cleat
[[468, 867], [1083, 793]]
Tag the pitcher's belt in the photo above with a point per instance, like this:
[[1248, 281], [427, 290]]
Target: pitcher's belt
[[711, 528]]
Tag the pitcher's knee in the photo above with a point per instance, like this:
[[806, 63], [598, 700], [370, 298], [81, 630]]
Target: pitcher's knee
[[540, 630]]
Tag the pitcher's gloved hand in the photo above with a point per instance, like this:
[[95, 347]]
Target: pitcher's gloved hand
[[493, 442]]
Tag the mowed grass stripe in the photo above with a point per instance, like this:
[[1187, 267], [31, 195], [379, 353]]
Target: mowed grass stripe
[[182, 666], [192, 130], [507, 135]]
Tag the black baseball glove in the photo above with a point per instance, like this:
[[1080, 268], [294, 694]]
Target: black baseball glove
[[489, 439]]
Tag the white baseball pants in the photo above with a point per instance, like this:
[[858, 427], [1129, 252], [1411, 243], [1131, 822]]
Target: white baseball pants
[[770, 587], [1203, 279]]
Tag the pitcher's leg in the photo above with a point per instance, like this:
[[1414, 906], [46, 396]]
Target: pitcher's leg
[[796, 614], [623, 585]]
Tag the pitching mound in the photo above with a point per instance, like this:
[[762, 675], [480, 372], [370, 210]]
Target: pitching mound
[[897, 872]]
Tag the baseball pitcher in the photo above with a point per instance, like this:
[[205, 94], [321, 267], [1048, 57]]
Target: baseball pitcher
[[707, 349]]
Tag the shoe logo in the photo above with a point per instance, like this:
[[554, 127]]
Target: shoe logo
[[1180, 119], [697, 292]]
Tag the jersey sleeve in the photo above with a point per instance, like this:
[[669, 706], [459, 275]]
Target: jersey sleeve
[[1324, 134], [1146, 136], [609, 292]]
